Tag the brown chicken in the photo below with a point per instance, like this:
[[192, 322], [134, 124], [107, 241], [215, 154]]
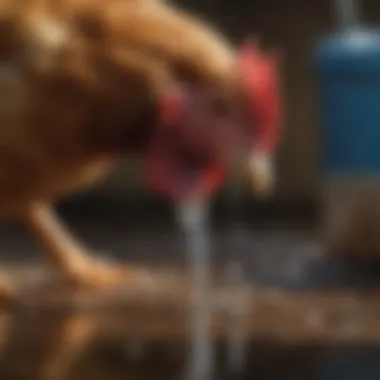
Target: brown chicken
[[85, 81]]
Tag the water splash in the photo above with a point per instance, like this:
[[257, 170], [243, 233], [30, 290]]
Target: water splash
[[193, 219]]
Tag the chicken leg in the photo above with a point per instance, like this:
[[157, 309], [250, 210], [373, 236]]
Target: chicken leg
[[68, 255]]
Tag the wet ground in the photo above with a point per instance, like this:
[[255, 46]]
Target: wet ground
[[142, 331], [81, 347]]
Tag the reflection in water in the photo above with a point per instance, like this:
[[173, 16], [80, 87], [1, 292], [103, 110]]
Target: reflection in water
[[238, 331], [38, 343], [108, 345], [142, 334], [5, 328], [67, 340], [59, 346], [44, 347]]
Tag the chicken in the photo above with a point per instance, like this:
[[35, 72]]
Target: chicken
[[83, 82]]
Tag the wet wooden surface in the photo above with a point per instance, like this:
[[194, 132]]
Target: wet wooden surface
[[142, 333], [156, 306], [140, 330]]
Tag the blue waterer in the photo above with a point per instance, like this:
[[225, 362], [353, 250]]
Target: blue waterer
[[347, 67], [347, 72]]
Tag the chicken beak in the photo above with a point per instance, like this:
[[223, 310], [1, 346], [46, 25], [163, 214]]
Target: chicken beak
[[261, 173]]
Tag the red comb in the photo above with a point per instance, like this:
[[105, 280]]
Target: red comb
[[259, 75], [161, 168]]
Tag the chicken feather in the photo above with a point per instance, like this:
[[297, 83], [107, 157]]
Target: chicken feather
[[80, 81]]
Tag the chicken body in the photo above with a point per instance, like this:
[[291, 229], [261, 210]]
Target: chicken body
[[79, 82]]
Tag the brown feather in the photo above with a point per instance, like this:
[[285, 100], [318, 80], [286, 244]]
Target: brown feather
[[79, 82]]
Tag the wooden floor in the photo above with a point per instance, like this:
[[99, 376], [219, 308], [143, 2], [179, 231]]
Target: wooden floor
[[156, 308], [140, 330]]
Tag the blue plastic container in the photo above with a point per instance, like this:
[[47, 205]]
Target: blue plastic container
[[348, 83]]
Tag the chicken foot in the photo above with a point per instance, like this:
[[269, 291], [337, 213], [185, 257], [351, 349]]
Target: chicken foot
[[69, 256]]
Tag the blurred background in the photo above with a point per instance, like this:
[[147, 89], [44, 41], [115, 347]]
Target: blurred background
[[285, 304]]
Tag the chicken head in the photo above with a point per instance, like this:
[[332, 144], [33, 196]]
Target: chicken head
[[207, 130]]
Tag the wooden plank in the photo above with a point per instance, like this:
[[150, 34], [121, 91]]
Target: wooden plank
[[157, 309]]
